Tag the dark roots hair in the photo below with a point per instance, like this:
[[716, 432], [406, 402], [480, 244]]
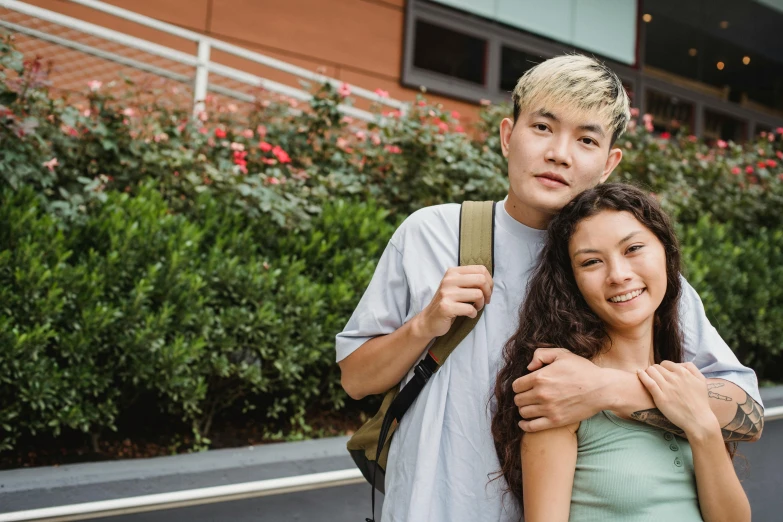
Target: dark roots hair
[[555, 313]]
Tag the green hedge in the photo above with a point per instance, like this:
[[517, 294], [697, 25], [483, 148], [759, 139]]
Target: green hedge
[[209, 263]]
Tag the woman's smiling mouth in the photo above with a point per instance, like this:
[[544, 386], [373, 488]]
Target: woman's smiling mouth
[[629, 296]]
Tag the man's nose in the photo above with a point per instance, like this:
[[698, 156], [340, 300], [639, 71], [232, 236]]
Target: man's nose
[[559, 152]]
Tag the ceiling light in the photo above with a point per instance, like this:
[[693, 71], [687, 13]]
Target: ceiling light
[[724, 24], [693, 51], [721, 65], [746, 60], [647, 18]]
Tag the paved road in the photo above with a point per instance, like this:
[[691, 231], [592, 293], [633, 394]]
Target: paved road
[[763, 481]]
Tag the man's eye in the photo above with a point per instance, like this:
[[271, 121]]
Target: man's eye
[[589, 141], [541, 127]]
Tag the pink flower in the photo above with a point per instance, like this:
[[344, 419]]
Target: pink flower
[[771, 136], [94, 85], [269, 161], [281, 155], [736, 171], [380, 92], [344, 90], [647, 118], [86, 113], [455, 115], [779, 154], [237, 146], [442, 127], [51, 164], [762, 152], [375, 139], [203, 130], [392, 149], [748, 170], [665, 135], [232, 107], [421, 103], [272, 181], [779, 130], [634, 112], [361, 135], [342, 143], [247, 133], [220, 133], [722, 144], [261, 131], [772, 163], [692, 138], [264, 146], [202, 116], [459, 129]]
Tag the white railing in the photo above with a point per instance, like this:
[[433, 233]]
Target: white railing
[[197, 70]]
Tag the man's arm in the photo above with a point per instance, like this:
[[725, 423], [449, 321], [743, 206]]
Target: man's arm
[[740, 417], [565, 388], [383, 361]]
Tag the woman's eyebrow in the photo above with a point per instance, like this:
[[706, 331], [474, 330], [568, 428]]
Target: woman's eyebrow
[[594, 251]]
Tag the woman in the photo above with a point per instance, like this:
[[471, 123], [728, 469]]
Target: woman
[[607, 288]]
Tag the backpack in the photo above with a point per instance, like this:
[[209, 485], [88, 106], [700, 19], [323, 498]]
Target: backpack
[[369, 446]]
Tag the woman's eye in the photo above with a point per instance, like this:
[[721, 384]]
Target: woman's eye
[[634, 248], [589, 262]]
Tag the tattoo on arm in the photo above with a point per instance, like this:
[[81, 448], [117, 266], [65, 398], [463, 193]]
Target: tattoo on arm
[[654, 417], [714, 395], [747, 423]]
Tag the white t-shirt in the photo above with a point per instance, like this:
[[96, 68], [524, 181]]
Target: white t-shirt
[[442, 458]]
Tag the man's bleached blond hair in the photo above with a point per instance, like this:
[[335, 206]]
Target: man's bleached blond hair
[[578, 82]]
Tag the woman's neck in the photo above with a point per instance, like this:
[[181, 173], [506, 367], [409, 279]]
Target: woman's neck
[[629, 350]]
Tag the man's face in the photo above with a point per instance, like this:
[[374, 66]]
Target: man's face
[[553, 155]]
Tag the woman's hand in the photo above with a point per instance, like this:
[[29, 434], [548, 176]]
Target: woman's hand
[[680, 392]]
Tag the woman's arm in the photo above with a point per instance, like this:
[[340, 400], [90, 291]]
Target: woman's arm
[[681, 395], [548, 466]]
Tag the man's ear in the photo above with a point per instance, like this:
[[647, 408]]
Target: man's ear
[[615, 155], [506, 128]]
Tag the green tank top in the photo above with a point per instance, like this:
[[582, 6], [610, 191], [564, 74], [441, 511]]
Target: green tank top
[[632, 472]]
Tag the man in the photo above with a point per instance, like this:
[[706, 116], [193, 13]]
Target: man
[[568, 113]]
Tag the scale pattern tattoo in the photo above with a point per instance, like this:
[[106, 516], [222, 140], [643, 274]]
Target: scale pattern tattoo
[[747, 423]]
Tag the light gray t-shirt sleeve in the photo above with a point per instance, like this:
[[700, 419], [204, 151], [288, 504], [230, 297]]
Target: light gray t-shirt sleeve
[[383, 307], [707, 350]]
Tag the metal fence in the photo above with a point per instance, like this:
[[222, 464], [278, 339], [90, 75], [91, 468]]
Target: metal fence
[[76, 51]]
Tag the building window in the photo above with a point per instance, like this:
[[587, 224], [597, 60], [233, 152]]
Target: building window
[[449, 52], [721, 126], [669, 113], [513, 64]]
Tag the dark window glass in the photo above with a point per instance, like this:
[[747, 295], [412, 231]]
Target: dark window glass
[[669, 113], [720, 126], [449, 52], [731, 49], [513, 64]]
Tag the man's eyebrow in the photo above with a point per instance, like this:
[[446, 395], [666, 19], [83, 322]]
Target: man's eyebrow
[[594, 251], [593, 127], [546, 114]]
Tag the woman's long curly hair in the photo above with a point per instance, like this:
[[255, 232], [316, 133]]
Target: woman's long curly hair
[[555, 313]]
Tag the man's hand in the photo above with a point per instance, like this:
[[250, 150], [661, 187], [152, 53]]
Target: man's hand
[[563, 389], [463, 291]]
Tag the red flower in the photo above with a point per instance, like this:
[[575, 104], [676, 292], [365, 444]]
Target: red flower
[[665, 135], [220, 133], [442, 127], [281, 155], [736, 171], [393, 149], [264, 146], [749, 170], [779, 130], [772, 163], [779, 154], [761, 164]]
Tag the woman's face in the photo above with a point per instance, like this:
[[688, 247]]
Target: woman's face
[[620, 268]]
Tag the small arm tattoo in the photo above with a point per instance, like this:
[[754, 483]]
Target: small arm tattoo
[[654, 417], [715, 395], [747, 423]]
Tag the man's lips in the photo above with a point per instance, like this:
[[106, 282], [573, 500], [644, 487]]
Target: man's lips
[[552, 177]]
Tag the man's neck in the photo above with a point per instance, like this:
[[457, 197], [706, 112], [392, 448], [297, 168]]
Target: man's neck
[[526, 215], [630, 350]]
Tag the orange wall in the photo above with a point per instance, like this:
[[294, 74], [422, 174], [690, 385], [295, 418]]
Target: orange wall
[[357, 41]]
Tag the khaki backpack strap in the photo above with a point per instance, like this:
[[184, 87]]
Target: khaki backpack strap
[[476, 247]]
